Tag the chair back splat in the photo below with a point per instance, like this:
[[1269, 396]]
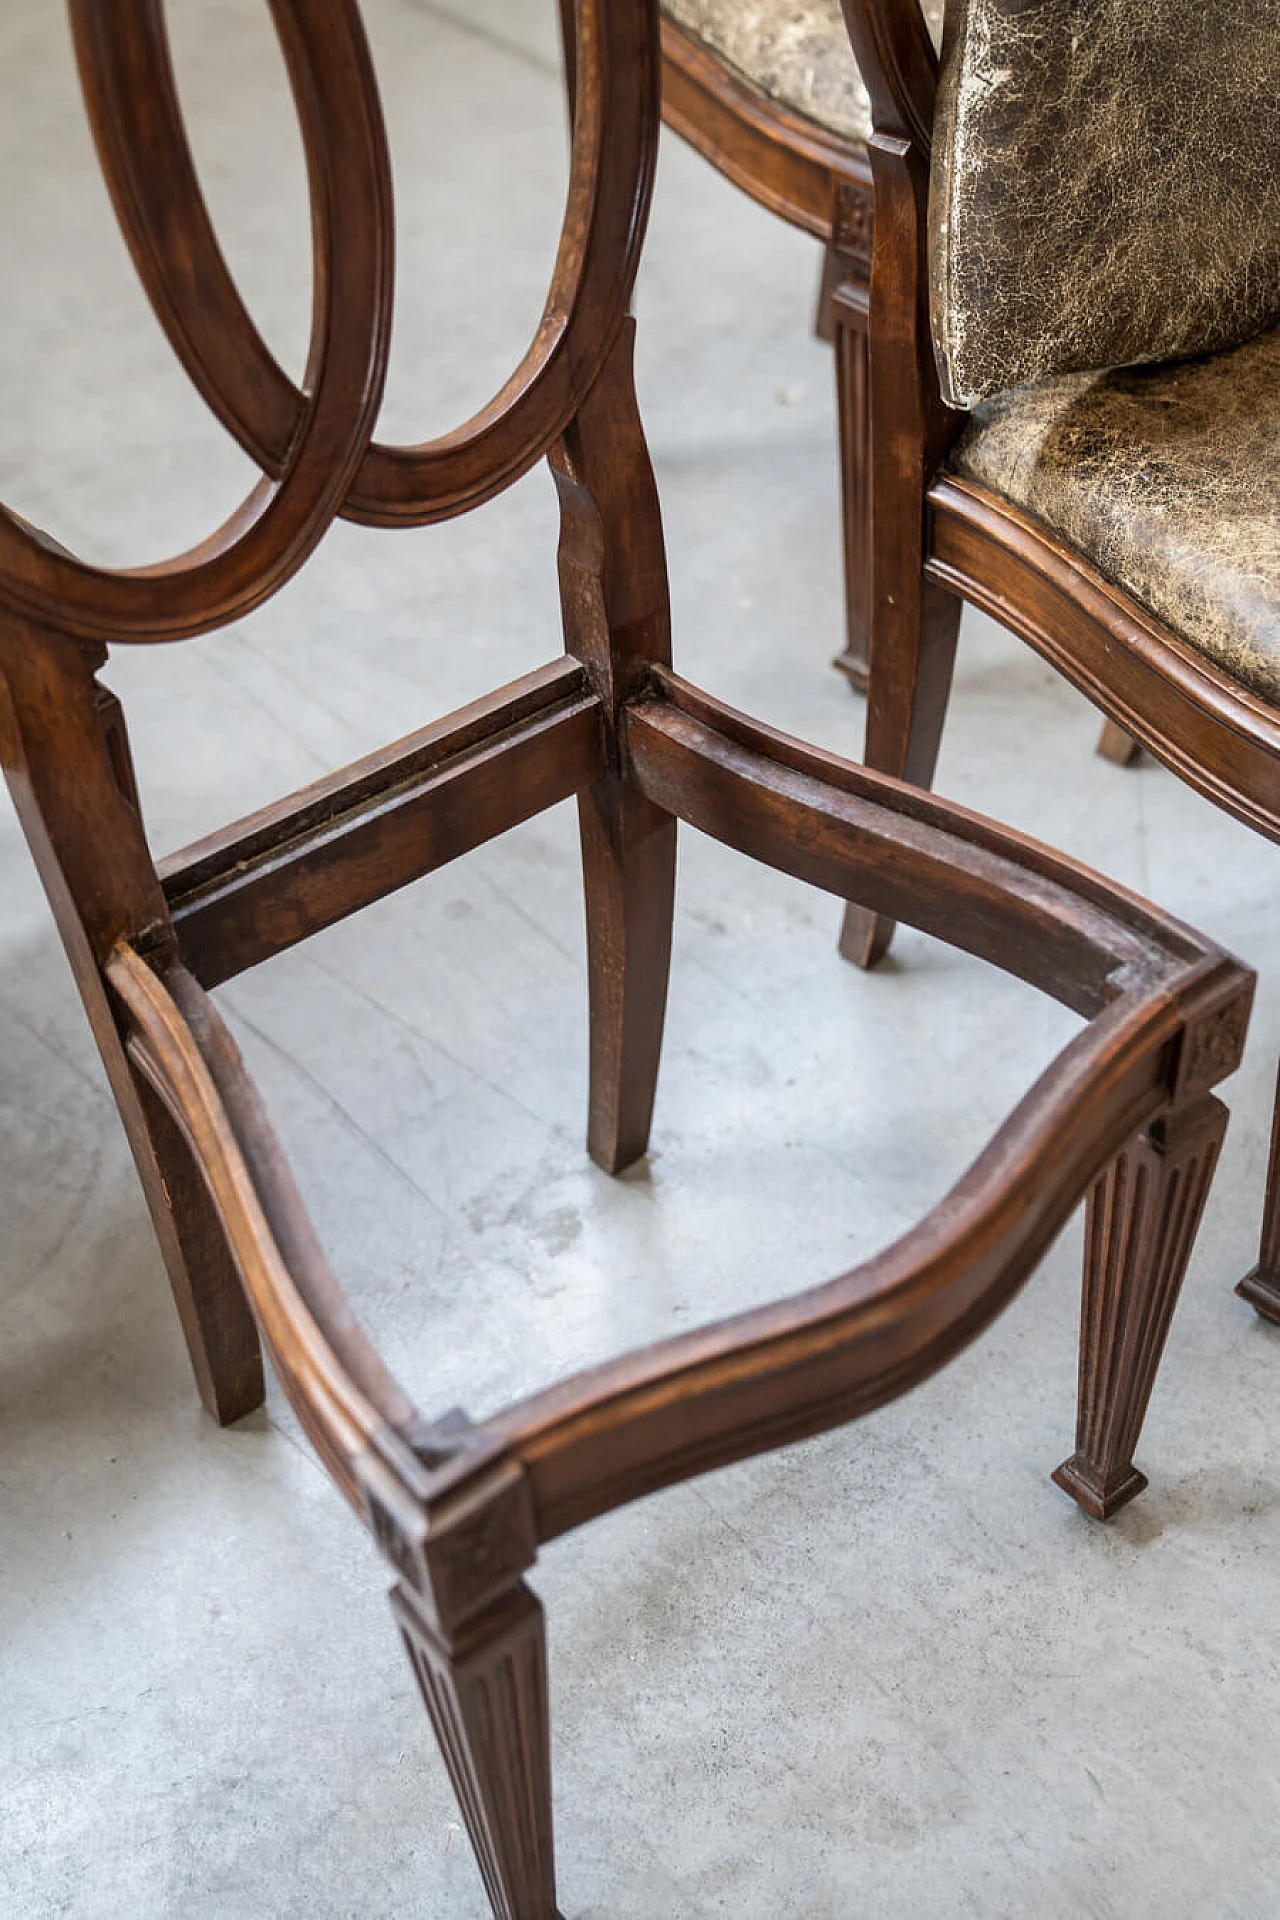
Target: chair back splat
[[1125, 1115]]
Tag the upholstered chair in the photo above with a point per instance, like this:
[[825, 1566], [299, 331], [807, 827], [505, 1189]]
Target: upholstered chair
[[769, 92], [1075, 382]]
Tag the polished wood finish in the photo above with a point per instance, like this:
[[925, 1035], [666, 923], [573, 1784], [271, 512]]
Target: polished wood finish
[[821, 183], [617, 621], [485, 1689], [262, 884], [1155, 692], [1142, 1222], [457, 1508], [1261, 1286]]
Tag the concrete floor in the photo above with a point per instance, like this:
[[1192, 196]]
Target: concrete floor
[[890, 1673]]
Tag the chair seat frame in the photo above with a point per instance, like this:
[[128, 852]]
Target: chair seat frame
[[1124, 1116]]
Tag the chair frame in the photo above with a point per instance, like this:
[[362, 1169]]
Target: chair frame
[[941, 539], [1125, 1114]]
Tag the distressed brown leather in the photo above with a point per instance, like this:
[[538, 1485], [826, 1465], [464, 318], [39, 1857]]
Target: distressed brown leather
[[1168, 480], [1105, 185], [796, 52]]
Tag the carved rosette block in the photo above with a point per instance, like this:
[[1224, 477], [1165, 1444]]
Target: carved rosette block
[[485, 1689], [1143, 1216]]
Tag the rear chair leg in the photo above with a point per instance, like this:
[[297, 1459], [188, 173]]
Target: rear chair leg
[[844, 301], [629, 872], [1142, 1220], [1261, 1288], [906, 706], [617, 621], [1116, 745], [66, 755]]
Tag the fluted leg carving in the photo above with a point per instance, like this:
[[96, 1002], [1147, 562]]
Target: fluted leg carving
[[485, 1688], [853, 405], [1261, 1288], [1143, 1216]]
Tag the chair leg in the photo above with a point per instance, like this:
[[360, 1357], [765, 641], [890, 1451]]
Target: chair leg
[[1261, 1288], [853, 413], [55, 717], [486, 1692], [1143, 1217], [906, 706], [617, 620], [629, 872], [1116, 745]]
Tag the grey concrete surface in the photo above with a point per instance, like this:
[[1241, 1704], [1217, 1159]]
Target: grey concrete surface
[[891, 1673]]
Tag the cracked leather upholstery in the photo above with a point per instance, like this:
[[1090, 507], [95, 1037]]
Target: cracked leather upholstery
[[1167, 479], [796, 52], [1105, 185]]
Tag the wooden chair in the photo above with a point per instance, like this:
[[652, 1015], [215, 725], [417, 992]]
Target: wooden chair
[[1124, 1115], [1125, 524], [769, 92]]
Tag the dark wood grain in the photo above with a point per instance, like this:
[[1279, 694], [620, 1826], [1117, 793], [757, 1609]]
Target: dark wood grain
[[262, 884], [617, 621], [458, 1508], [935, 531], [1142, 1222], [821, 183]]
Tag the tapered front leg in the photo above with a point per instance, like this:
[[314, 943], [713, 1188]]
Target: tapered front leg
[[66, 757], [1261, 1288], [617, 620], [1143, 1217], [485, 1689]]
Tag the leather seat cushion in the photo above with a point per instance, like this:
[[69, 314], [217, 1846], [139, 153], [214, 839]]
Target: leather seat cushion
[[1105, 186], [795, 52], [1167, 479]]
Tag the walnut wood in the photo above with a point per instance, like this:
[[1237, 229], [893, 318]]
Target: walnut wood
[[830, 824], [1115, 744], [821, 183], [1261, 1286], [846, 305], [1219, 738], [146, 160], [617, 620], [913, 623], [1142, 1222], [1154, 690], [262, 884], [269, 537], [72, 785], [785, 163], [457, 1508], [486, 1692], [899, 67]]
